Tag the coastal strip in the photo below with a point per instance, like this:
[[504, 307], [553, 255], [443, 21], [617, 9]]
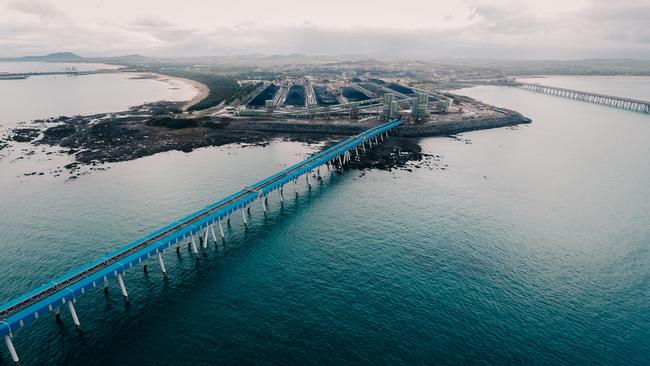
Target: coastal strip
[[202, 90], [424, 130]]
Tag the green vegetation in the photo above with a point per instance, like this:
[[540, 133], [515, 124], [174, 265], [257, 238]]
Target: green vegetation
[[222, 87], [243, 93]]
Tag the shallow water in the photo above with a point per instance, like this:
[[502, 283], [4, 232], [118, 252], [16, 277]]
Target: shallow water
[[634, 87], [37, 66], [530, 247], [61, 95]]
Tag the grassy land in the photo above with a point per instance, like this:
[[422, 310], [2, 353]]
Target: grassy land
[[222, 87], [243, 92]]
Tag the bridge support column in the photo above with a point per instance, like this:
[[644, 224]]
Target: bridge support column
[[162, 264], [205, 238], [123, 288], [73, 313], [57, 314], [12, 350], [263, 205], [195, 250], [307, 180], [214, 236], [243, 214], [105, 286], [295, 189], [281, 196], [223, 237]]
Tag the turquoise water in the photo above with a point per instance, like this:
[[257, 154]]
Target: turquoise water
[[531, 247]]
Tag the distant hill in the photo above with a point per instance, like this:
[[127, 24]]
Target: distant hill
[[245, 59], [73, 57], [52, 57], [126, 59]]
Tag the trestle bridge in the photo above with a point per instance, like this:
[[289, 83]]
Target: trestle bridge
[[628, 104], [63, 292]]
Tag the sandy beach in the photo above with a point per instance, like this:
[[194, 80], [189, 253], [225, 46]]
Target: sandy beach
[[200, 90]]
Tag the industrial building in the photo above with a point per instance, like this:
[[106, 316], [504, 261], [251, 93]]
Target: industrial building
[[344, 98]]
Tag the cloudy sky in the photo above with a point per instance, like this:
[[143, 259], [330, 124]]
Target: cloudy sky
[[521, 29]]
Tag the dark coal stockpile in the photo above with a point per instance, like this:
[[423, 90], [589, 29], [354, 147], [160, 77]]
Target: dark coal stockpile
[[400, 89], [265, 95], [324, 97], [296, 96], [373, 88], [353, 95]]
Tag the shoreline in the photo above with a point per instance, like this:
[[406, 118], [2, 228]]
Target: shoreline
[[142, 130], [105, 138], [406, 131], [202, 90], [134, 133]]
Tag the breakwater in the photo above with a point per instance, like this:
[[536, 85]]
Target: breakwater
[[419, 130]]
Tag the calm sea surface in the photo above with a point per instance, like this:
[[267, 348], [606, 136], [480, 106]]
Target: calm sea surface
[[531, 247], [36, 66], [58, 95], [635, 87]]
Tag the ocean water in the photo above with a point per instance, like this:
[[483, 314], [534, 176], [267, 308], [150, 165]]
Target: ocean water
[[529, 247], [57, 95], [634, 87], [38, 66]]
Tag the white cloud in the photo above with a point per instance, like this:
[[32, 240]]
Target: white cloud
[[417, 28]]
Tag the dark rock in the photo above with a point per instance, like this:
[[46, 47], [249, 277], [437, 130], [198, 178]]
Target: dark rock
[[24, 134]]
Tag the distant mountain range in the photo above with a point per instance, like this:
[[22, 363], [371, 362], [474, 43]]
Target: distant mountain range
[[59, 56], [512, 67], [73, 57]]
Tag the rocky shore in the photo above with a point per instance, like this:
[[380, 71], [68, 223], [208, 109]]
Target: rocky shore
[[510, 118], [150, 129]]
